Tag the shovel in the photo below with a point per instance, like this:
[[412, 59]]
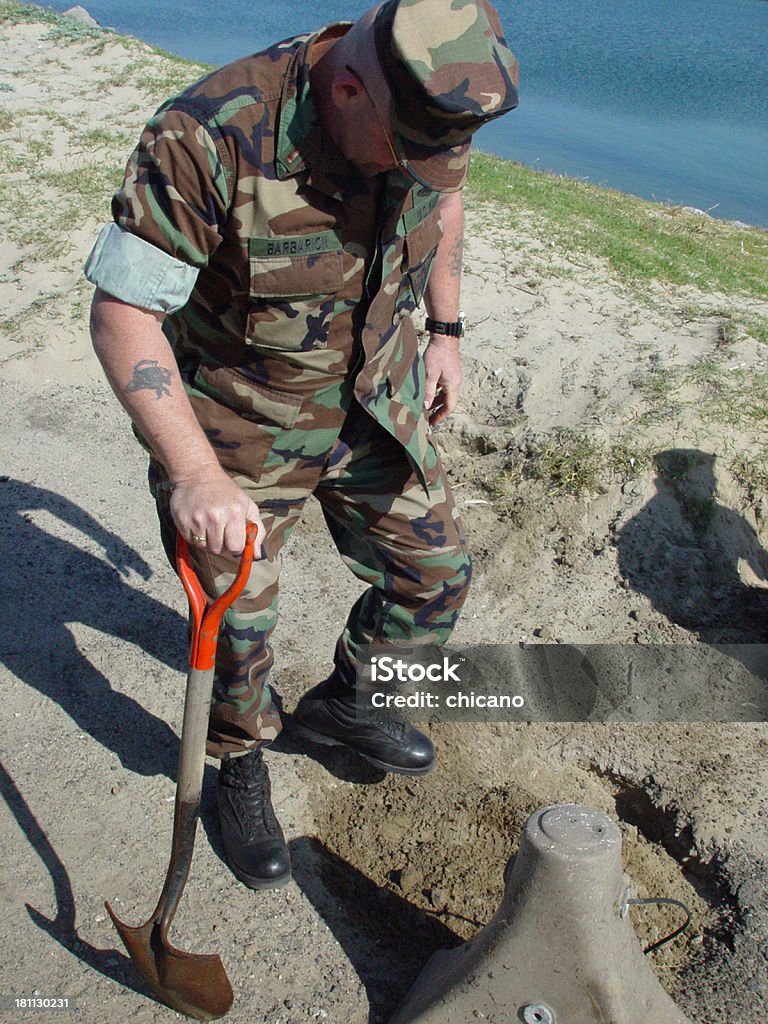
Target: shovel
[[195, 984]]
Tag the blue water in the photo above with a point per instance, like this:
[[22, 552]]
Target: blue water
[[667, 99]]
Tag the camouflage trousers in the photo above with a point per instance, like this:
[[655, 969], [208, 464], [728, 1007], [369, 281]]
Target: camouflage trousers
[[406, 544]]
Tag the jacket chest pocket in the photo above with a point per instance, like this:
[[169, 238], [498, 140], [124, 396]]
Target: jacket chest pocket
[[293, 286], [419, 249]]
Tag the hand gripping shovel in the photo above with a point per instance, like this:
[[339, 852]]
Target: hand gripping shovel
[[195, 984]]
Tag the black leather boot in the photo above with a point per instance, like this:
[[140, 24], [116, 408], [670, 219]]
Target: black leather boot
[[253, 840], [327, 714]]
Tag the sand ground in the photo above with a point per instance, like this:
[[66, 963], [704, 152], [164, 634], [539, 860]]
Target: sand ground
[[386, 869]]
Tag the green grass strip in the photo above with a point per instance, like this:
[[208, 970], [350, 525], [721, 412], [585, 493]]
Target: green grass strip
[[642, 242]]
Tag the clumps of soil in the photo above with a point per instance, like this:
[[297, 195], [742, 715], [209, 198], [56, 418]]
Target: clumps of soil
[[663, 833], [434, 851]]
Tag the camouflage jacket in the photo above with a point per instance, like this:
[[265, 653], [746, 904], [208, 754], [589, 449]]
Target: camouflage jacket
[[308, 272]]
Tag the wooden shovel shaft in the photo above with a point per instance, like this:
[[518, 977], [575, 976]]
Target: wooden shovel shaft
[[206, 620], [197, 709], [197, 704]]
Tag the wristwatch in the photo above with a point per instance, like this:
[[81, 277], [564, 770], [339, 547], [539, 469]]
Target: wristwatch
[[451, 328]]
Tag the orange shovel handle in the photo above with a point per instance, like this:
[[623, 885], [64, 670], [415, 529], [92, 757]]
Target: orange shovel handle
[[206, 618]]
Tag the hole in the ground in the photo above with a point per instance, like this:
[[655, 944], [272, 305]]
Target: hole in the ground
[[434, 851], [665, 828]]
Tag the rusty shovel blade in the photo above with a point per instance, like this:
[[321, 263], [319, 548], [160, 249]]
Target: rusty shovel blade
[[195, 984]]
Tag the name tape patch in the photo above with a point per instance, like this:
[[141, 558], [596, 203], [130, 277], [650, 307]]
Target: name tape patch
[[295, 245], [412, 218]]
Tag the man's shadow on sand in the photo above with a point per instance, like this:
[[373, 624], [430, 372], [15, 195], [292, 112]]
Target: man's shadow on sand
[[683, 550], [47, 583]]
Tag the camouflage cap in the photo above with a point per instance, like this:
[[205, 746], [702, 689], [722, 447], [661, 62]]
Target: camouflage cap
[[449, 70]]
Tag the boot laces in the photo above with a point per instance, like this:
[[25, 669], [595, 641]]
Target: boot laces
[[253, 795], [392, 725]]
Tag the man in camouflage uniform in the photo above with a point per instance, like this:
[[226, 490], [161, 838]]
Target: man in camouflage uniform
[[278, 224]]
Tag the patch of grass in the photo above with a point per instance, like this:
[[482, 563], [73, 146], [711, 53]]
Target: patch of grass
[[567, 462], [69, 30], [126, 75], [88, 188], [733, 322], [196, 69], [12, 162], [628, 458], [660, 388], [754, 325], [162, 78], [570, 462], [165, 81], [102, 138], [13, 327], [732, 397], [751, 472], [641, 242], [41, 207], [7, 121], [12, 13], [39, 149], [88, 180], [707, 373], [735, 397]]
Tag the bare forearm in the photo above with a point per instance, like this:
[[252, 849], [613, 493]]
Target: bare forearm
[[207, 506], [443, 289], [441, 358], [141, 369]]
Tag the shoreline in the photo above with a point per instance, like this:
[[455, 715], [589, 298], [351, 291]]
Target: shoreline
[[596, 181]]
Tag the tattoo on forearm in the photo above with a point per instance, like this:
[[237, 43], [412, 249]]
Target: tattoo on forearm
[[455, 256], [149, 375]]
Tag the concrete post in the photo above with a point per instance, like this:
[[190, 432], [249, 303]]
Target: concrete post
[[559, 950]]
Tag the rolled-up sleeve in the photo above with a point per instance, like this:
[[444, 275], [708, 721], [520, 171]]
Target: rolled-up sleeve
[[125, 266], [169, 215]]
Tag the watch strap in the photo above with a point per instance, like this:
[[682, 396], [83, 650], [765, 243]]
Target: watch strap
[[451, 328]]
